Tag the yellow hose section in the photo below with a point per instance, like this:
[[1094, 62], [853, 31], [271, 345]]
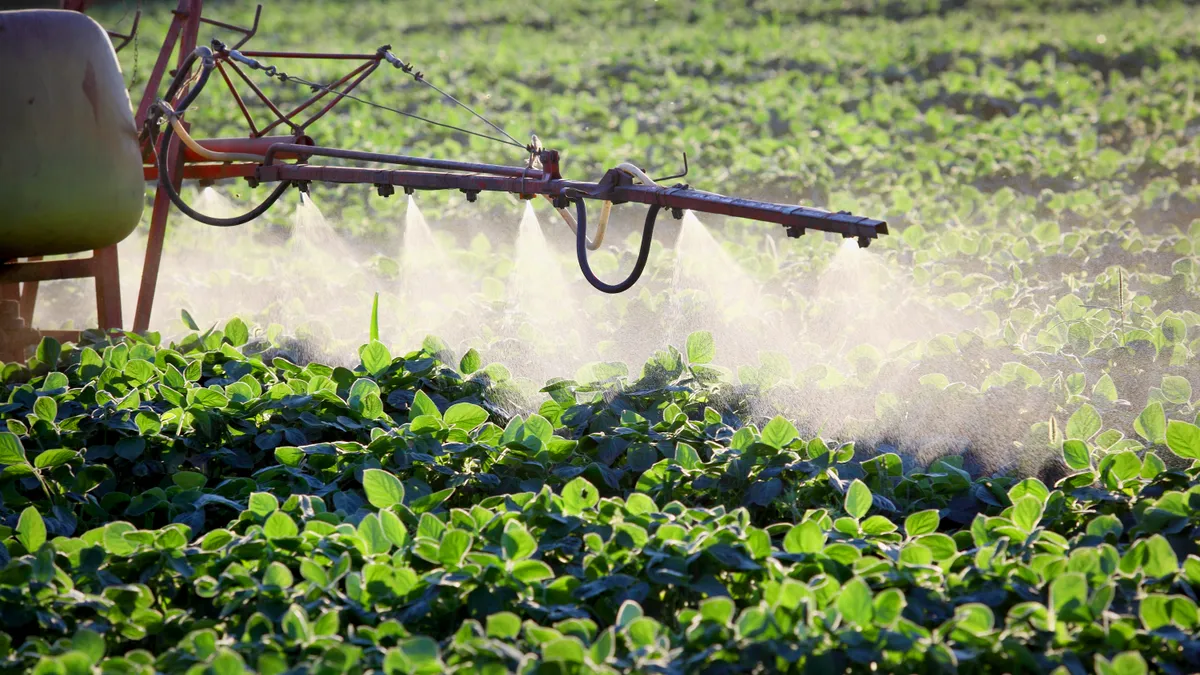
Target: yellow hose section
[[205, 152], [605, 210], [601, 225]]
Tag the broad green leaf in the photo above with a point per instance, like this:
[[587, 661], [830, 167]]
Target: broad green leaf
[[531, 571], [807, 537], [858, 499], [11, 451], [279, 526], [1083, 424], [393, 529], [455, 544], [503, 626], [779, 432], [1151, 424], [855, 602], [1182, 438], [263, 504], [922, 522], [423, 405], [1077, 455], [700, 348], [237, 332], [370, 529], [470, 362], [1069, 597], [1160, 557], [1105, 389], [1177, 389], [383, 489], [1027, 512], [278, 574], [46, 409], [579, 495], [53, 458], [888, 605], [31, 529], [465, 416], [516, 541], [375, 357]]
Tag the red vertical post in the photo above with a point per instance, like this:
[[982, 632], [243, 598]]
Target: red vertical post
[[187, 26], [108, 288], [154, 244], [29, 293]]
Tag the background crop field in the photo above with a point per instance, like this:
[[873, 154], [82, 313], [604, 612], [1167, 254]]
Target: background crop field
[[969, 447]]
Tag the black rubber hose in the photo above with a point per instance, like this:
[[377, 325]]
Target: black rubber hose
[[164, 180], [581, 250]]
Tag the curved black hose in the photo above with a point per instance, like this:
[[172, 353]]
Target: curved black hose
[[581, 250], [164, 180]]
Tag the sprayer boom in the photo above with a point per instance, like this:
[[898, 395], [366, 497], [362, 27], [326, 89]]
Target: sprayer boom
[[617, 187], [285, 161]]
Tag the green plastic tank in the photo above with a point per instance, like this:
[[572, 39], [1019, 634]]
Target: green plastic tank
[[70, 165]]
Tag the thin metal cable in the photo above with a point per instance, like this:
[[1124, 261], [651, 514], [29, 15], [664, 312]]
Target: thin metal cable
[[468, 109], [284, 77]]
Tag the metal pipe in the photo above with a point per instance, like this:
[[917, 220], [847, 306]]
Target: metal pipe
[[405, 160], [251, 146], [795, 218]]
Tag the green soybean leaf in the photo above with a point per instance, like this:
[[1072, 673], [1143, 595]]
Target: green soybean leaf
[[1083, 424], [46, 409], [1182, 438], [375, 357], [807, 537], [11, 450], [237, 332], [778, 433], [1027, 512], [516, 542], [383, 489], [858, 499], [578, 495], [700, 348], [855, 602], [280, 526], [31, 529], [922, 522], [1076, 455], [1069, 597], [263, 504], [470, 362], [503, 625], [54, 458], [1151, 424], [465, 416]]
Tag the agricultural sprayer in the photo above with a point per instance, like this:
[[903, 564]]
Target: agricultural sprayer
[[77, 158]]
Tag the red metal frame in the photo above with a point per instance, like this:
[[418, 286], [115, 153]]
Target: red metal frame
[[471, 178]]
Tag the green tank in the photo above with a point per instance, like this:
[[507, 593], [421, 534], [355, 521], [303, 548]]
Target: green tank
[[70, 164]]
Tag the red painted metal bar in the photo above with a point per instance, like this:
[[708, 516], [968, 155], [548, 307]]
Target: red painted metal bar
[[252, 146], [62, 335], [279, 116], [46, 270], [308, 55], [237, 98], [317, 97], [160, 66], [281, 150], [340, 95], [204, 171], [705, 202]]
